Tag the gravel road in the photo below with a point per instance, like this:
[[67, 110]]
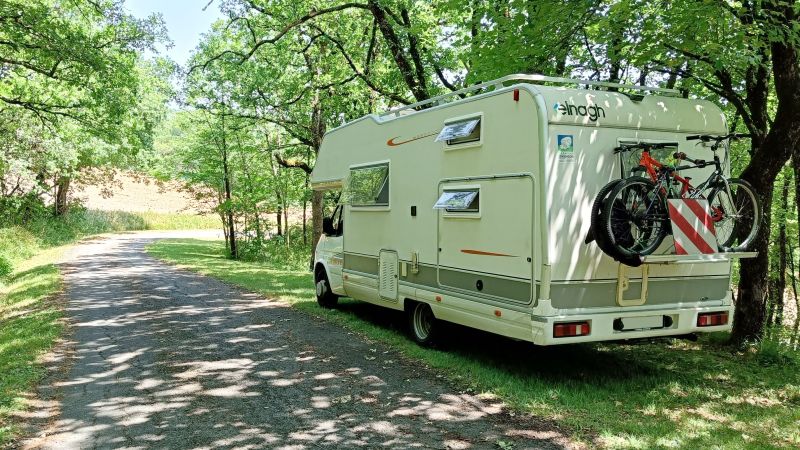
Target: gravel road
[[161, 358]]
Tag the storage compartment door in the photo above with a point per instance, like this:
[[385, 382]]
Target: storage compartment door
[[387, 277], [486, 247]]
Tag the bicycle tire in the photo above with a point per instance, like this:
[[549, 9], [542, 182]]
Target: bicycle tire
[[626, 229], [597, 209], [726, 239]]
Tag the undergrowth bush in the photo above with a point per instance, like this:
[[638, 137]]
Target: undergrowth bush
[[5, 267], [295, 256], [778, 347], [20, 240]]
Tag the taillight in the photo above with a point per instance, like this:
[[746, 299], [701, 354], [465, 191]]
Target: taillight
[[571, 329], [712, 319]]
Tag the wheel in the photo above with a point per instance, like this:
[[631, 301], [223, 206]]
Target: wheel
[[596, 232], [422, 324], [737, 219], [325, 297], [635, 219]]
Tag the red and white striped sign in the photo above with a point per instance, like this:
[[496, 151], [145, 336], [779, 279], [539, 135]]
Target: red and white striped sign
[[692, 227]]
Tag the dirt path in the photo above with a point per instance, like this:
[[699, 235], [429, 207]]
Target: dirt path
[[161, 358]]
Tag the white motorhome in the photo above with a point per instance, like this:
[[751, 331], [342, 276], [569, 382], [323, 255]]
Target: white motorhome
[[474, 209]]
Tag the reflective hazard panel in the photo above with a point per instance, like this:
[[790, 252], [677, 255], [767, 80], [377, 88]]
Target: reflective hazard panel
[[692, 227]]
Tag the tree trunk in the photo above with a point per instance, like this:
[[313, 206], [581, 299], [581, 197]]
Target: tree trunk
[[279, 219], [780, 287], [286, 223], [793, 278], [226, 179], [62, 199], [305, 222], [410, 69], [781, 142], [792, 266], [748, 319], [317, 213], [305, 216]]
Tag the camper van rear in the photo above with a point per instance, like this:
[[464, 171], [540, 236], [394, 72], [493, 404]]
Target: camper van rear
[[475, 211]]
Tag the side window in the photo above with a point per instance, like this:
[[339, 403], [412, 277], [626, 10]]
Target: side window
[[368, 186], [461, 131], [465, 200]]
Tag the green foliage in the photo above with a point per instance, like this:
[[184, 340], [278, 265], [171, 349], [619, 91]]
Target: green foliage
[[647, 394], [75, 95], [277, 253], [18, 243], [5, 267], [774, 352]]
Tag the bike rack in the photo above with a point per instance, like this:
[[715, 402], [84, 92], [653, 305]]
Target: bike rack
[[695, 259], [624, 281]]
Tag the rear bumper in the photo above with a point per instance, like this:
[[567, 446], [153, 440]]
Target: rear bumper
[[684, 321]]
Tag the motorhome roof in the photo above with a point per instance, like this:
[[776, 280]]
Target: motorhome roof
[[524, 78]]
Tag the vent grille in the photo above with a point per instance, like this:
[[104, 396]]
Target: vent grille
[[387, 279]]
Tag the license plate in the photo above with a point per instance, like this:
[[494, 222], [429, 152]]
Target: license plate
[[642, 323]]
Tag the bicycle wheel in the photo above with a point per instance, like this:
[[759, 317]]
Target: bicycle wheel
[[737, 215], [597, 209], [635, 218]]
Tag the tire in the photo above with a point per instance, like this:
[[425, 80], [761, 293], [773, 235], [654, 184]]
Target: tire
[[596, 230], [634, 219], [422, 325], [745, 220], [325, 297]]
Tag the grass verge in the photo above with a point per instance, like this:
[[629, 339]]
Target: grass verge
[[29, 324], [660, 394]]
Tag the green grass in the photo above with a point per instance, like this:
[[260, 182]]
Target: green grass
[[659, 394], [29, 324]]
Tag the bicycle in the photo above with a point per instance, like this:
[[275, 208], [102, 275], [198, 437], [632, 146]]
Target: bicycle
[[635, 215]]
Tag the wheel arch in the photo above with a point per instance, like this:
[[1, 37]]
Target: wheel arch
[[320, 266]]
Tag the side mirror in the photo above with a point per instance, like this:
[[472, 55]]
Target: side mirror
[[327, 226]]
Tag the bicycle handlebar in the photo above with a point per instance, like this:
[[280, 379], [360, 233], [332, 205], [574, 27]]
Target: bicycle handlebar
[[698, 162]]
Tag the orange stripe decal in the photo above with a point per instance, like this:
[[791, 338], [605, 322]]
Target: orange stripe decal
[[482, 253], [392, 143]]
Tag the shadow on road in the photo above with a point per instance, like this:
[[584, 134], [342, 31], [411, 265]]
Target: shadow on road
[[164, 358]]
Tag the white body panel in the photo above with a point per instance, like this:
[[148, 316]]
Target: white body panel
[[519, 264]]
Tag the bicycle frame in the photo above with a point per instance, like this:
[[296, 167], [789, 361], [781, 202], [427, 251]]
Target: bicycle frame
[[663, 175]]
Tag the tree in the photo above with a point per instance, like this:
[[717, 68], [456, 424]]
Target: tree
[[72, 78]]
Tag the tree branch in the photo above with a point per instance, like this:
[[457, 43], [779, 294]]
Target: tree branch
[[292, 163], [390, 95]]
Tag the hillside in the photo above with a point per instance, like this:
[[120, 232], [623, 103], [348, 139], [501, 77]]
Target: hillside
[[137, 193]]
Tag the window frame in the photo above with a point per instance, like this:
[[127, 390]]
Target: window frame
[[462, 214], [471, 144], [377, 206]]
